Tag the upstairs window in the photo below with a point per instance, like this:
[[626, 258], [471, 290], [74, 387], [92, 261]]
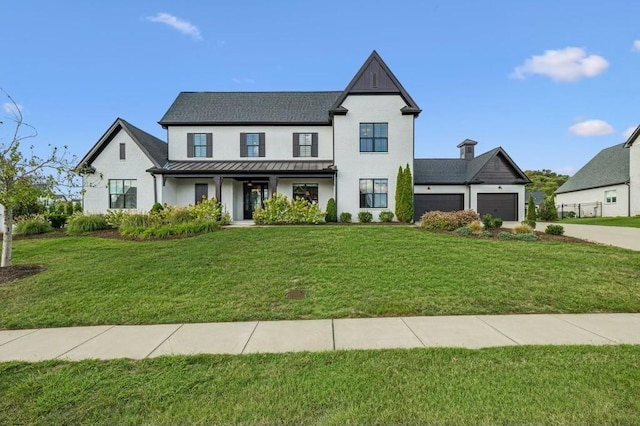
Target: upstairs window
[[373, 193], [122, 151], [123, 194], [610, 197], [199, 145], [252, 145], [373, 137], [305, 144]]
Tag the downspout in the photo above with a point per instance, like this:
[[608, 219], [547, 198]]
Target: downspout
[[628, 183], [155, 189]]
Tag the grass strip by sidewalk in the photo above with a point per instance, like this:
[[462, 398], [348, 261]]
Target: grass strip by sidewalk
[[511, 385], [345, 271], [629, 222]]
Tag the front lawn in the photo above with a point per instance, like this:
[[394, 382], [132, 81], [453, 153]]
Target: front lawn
[[345, 271], [511, 385], [630, 222]]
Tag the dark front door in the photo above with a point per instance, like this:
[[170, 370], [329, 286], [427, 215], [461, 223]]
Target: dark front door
[[504, 206], [202, 191], [443, 202], [255, 193]]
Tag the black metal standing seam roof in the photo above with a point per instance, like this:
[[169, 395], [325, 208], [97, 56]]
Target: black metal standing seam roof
[[250, 107], [239, 167], [609, 167]]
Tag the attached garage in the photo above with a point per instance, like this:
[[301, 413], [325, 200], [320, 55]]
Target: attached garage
[[504, 206], [442, 202]]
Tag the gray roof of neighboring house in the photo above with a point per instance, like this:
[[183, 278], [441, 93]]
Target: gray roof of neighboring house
[[245, 167], [538, 196], [250, 108], [154, 148], [609, 167], [453, 171]]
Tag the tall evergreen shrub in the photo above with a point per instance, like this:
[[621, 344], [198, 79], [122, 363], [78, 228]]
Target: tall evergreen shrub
[[332, 211], [400, 204], [408, 194]]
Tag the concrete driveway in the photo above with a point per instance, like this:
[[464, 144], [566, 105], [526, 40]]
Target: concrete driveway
[[618, 236]]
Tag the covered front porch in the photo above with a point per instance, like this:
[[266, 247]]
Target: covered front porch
[[243, 186]]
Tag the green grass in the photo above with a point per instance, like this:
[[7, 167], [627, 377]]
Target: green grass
[[511, 385], [346, 271], [630, 222]]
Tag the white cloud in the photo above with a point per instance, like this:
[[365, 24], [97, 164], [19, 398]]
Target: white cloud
[[627, 133], [591, 128], [10, 108], [184, 27], [636, 46], [568, 64]]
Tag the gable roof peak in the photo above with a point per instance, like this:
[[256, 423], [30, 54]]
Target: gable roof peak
[[375, 78], [632, 137]]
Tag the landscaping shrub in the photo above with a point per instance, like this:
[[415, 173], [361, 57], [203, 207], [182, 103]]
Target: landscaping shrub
[[464, 231], [404, 195], [531, 212], [32, 225], [157, 207], [547, 210], [476, 226], [531, 223], [554, 230], [485, 234], [506, 236], [491, 222], [166, 230], [332, 211], [447, 221], [279, 210], [345, 217], [517, 237], [365, 217], [79, 223], [57, 220], [386, 216], [522, 228], [209, 209], [114, 217]]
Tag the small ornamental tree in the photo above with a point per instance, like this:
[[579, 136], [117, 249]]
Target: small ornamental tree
[[24, 176], [332, 211], [400, 204], [531, 212], [547, 210]]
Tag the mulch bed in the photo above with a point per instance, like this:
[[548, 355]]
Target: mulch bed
[[11, 273]]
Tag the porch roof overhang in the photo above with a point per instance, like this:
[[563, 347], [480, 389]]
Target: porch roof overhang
[[246, 168]]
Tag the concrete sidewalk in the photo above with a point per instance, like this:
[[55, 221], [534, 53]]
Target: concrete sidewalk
[[474, 331]]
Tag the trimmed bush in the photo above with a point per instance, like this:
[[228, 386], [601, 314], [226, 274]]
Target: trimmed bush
[[547, 210], [157, 207], [554, 230], [522, 228], [365, 217], [79, 223], [447, 221], [491, 222], [465, 231], [278, 210], [57, 220], [506, 236], [345, 217], [32, 225], [517, 237], [386, 216], [332, 211]]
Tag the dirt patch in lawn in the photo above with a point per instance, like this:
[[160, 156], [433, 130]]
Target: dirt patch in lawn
[[9, 274]]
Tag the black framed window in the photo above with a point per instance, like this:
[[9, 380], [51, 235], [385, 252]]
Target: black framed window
[[123, 194], [373, 193], [123, 153], [252, 145], [307, 191], [199, 145], [374, 137]]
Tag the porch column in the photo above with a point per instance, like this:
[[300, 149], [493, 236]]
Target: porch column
[[217, 180], [273, 184]]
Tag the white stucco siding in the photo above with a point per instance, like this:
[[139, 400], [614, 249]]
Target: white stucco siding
[[108, 165], [226, 142], [591, 196], [353, 165], [634, 171]]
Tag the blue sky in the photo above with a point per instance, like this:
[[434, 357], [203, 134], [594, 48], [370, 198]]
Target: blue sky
[[551, 81]]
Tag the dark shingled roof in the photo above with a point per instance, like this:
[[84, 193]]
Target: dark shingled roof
[[245, 167], [609, 167], [450, 171], [250, 108], [153, 147]]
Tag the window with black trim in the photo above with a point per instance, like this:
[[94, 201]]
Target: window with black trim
[[123, 151], [199, 145], [123, 194], [306, 191], [252, 145], [374, 137], [373, 193], [305, 144]]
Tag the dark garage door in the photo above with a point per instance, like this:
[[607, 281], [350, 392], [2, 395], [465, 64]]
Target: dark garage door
[[504, 206], [443, 202]]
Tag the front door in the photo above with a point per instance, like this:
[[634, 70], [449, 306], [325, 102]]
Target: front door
[[255, 193]]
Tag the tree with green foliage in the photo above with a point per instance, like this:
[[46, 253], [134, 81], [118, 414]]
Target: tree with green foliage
[[547, 210], [545, 180], [531, 210], [400, 204], [332, 211], [24, 177], [404, 195]]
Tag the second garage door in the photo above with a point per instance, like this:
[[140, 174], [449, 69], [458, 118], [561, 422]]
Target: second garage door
[[504, 206], [443, 202]]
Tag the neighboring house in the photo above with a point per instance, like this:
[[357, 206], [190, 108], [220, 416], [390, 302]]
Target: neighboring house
[[490, 183], [605, 186], [241, 147]]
